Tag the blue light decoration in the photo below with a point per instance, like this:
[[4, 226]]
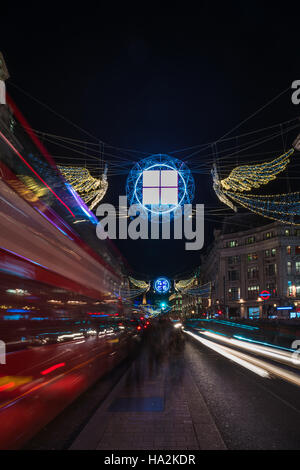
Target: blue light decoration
[[162, 285], [160, 184]]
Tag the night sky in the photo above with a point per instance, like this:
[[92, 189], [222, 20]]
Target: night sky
[[155, 83]]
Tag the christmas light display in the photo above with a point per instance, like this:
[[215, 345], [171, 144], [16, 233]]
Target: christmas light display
[[90, 189], [160, 184], [190, 287], [247, 177], [184, 284], [135, 289], [127, 294], [140, 284], [219, 192], [281, 207], [162, 285]]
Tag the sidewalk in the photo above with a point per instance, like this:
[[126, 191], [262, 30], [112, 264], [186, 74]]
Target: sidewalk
[[151, 410]]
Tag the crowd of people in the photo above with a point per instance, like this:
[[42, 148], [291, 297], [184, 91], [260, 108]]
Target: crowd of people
[[163, 344]]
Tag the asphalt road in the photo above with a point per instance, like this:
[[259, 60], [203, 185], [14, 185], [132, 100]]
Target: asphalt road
[[251, 412]]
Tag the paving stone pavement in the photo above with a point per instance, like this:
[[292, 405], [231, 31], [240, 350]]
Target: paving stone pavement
[[183, 422]]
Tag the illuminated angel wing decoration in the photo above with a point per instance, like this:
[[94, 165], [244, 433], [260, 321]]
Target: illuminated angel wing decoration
[[281, 207], [135, 289], [191, 287], [90, 189], [183, 285], [140, 284], [218, 190], [247, 177]]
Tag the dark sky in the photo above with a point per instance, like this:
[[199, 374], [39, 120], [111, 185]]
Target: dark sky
[[156, 83]]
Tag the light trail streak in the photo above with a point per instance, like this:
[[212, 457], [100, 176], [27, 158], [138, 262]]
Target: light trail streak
[[281, 356], [258, 366], [226, 352]]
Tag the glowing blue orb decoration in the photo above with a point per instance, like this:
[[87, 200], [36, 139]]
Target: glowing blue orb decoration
[[160, 184], [162, 285]]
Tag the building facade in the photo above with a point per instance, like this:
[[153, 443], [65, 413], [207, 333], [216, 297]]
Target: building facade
[[255, 271]]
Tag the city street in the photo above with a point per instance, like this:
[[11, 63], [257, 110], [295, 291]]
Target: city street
[[149, 231], [200, 401]]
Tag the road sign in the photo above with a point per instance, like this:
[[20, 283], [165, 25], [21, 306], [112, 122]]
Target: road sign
[[265, 294]]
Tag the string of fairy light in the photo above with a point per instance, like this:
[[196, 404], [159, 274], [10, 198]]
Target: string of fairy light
[[244, 178], [91, 190], [145, 286], [283, 208], [83, 161], [190, 286]]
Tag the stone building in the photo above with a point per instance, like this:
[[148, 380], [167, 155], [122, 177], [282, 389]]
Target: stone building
[[247, 258]]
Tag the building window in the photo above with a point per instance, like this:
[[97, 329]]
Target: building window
[[268, 235], [232, 243], [297, 232], [287, 232], [253, 272], [289, 250], [297, 250], [272, 288], [233, 275], [234, 259], [289, 267], [269, 253], [291, 290], [234, 293], [250, 240], [297, 267], [160, 187], [252, 256], [271, 270], [253, 292]]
